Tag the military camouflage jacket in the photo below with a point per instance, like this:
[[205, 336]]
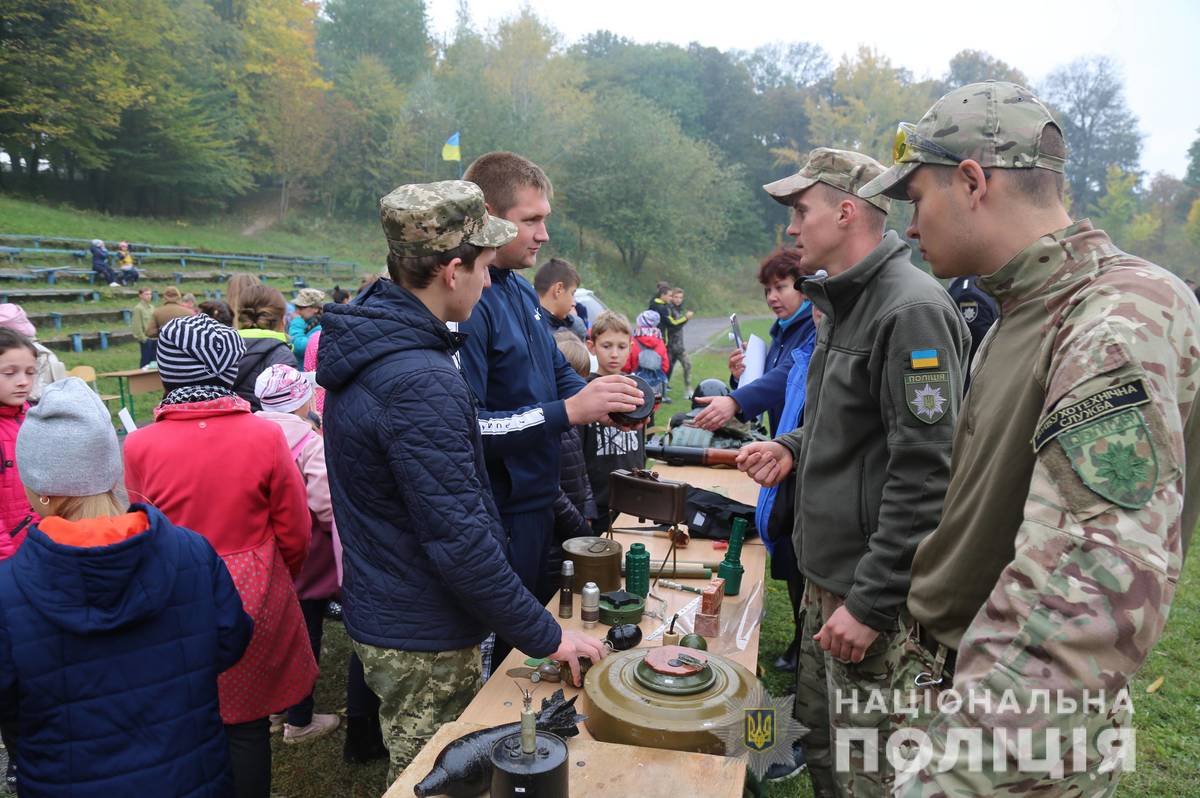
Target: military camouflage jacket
[[1104, 465]]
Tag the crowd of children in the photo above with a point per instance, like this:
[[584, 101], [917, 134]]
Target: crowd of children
[[195, 597]]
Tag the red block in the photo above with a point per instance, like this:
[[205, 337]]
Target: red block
[[710, 600], [708, 625]]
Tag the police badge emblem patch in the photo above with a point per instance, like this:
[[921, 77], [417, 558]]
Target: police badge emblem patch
[[969, 310], [1115, 458], [927, 395]]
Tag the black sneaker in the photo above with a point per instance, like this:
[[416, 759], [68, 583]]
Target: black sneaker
[[778, 772], [787, 660]]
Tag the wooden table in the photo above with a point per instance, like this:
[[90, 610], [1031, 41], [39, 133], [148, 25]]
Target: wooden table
[[607, 769], [652, 772], [133, 382]]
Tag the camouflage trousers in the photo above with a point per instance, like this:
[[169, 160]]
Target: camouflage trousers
[[952, 773], [833, 697], [679, 357], [418, 692]]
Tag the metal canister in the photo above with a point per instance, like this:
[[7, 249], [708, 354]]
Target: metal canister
[[596, 560], [566, 598], [589, 605]]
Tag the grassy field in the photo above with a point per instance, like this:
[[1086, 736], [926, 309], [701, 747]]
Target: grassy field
[[714, 284]]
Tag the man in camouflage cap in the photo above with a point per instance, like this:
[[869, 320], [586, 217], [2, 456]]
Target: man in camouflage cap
[[426, 576], [871, 459], [1076, 478]]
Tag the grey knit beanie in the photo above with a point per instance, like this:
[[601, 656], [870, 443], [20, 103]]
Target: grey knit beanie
[[67, 445]]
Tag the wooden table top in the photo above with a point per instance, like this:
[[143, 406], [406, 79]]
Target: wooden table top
[[610, 769], [131, 373], [607, 770]]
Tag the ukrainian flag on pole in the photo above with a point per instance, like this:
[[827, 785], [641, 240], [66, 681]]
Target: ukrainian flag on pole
[[451, 150]]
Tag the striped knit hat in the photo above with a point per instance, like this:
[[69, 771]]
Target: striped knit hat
[[194, 349]]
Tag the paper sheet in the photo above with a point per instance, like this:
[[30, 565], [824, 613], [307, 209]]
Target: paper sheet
[[755, 360], [126, 420]]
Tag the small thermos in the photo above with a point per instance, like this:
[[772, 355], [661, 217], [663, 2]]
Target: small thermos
[[589, 605], [566, 598]]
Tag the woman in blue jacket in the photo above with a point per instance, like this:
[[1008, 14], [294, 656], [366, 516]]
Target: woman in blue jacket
[[114, 626], [793, 328]]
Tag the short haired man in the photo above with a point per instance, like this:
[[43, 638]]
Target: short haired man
[[556, 282], [1076, 479], [528, 393], [872, 459], [424, 549]]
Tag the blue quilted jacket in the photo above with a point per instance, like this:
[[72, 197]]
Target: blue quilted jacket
[[521, 382], [109, 658], [423, 550]]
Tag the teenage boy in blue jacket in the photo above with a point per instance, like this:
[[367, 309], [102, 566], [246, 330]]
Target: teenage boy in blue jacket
[[527, 392], [425, 574]]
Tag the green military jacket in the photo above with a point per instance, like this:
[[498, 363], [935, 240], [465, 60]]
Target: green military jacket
[[873, 457], [1075, 487]]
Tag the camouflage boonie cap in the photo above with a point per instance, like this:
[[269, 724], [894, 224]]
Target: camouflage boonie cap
[[427, 218], [309, 298], [995, 123], [844, 170]]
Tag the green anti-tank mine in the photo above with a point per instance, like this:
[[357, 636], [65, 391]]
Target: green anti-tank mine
[[667, 697]]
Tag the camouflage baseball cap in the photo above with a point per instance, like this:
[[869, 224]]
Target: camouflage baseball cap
[[844, 170], [997, 124], [428, 218]]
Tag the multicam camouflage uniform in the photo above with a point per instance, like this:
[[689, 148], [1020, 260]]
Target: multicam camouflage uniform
[[418, 692], [1075, 488]]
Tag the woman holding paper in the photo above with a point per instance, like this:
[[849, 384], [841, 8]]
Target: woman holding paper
[[793, 328]]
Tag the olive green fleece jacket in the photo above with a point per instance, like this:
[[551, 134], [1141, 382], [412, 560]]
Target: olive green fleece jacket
[[873, 456]]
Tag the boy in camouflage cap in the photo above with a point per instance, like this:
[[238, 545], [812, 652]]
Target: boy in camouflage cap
[[425, 572], [872, 458], [1075, 482]]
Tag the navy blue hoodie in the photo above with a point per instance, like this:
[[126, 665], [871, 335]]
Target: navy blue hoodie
[[109, 658], [424, 552], [521, 381]]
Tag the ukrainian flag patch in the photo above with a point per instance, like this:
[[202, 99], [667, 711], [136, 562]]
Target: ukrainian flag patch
[[924, 358]]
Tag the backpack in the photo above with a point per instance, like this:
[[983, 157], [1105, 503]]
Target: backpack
[[649, 368]]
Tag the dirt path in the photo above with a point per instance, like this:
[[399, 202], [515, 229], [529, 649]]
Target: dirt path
[[699, 333]]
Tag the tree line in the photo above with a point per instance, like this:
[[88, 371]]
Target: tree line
[[182, 106]]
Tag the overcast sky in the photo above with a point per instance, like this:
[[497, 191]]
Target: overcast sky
[[1155, 42]]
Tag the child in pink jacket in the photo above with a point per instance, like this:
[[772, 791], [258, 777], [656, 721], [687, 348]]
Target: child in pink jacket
[[18, 373], [287, 399]]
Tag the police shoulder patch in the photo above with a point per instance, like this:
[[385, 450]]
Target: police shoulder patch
[[1115, 457], [927, 395], [1098, 405]]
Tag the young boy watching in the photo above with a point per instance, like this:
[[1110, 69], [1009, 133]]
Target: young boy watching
[[425, 572], [607, 449], [556, 282]]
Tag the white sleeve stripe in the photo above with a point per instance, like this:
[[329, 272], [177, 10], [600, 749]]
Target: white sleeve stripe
[[507, 424]]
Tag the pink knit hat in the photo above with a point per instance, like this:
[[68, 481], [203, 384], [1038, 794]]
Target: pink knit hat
[[13, 317], [282, 389]]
